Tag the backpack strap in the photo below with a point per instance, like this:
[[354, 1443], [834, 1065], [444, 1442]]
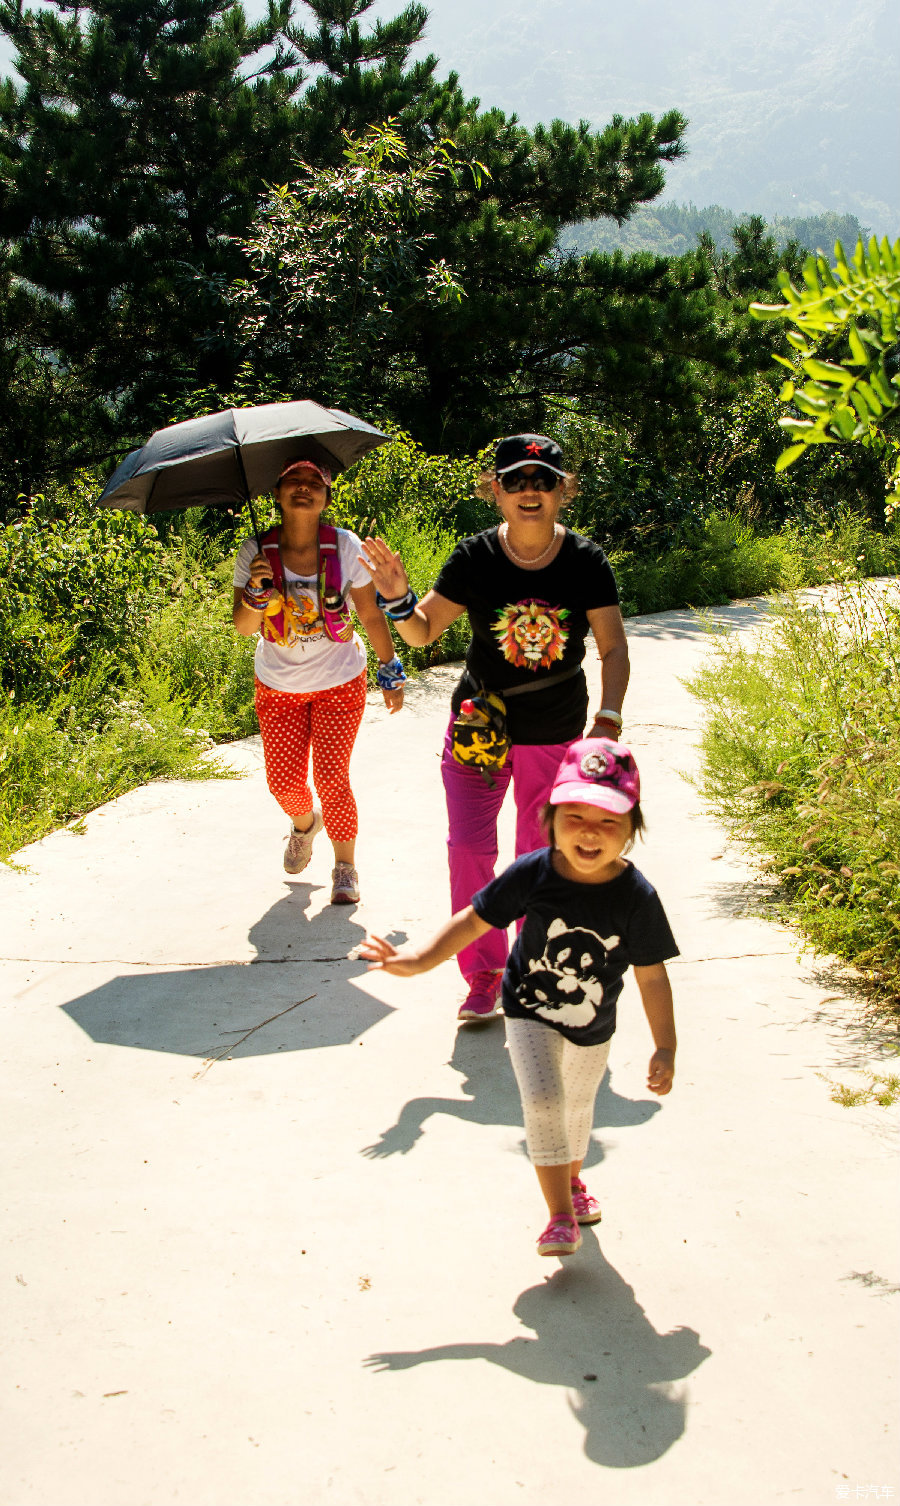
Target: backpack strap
[[332, 605]]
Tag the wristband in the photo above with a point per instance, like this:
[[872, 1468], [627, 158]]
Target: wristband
[[255, 603], [390, 676], [398, 610]]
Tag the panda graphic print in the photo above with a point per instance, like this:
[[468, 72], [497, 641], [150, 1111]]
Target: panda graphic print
[[565, 984], [568, 963]]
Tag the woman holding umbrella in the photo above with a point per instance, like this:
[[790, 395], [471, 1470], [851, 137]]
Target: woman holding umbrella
[[533, 591], [310, 665]]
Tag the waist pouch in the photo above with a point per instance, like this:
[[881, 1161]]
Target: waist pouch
[[485, 744]]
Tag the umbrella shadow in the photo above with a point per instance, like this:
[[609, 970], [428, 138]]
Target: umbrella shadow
[[593, 1339], [293, 996], [492, 1097]]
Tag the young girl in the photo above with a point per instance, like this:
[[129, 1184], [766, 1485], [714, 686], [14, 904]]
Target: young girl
[[311, 666], [588, 914]]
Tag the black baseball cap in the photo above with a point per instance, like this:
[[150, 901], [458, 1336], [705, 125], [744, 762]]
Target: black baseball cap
[[528, 449]]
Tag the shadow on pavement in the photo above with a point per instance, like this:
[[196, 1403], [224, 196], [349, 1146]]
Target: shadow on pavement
[[492, 1097], [294, 996], [595, 1340]]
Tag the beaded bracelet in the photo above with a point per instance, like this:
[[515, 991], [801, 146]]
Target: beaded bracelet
[[398, 610]]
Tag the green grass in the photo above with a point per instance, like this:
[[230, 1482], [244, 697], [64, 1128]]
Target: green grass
[[801, 760], [727, 559], [61, 761]]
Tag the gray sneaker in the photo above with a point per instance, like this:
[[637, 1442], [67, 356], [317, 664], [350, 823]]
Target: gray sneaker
[[345, 885], [300, 843]]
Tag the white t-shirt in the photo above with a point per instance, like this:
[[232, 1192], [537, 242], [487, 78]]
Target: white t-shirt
[[312, 662]]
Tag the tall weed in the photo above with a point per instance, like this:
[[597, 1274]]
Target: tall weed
[[801, 759], [59, 761]]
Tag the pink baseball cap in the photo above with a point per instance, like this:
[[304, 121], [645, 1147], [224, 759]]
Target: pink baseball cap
[[293, 466], [597, 771]]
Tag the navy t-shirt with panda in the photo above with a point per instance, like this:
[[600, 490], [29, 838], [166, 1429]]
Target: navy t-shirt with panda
[[570, 957]]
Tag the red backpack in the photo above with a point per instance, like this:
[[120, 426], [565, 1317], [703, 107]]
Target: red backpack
[[282, 618]]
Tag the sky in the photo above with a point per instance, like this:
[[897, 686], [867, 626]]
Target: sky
[[793, 105]]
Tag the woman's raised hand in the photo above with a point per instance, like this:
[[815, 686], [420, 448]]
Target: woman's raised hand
[[386, 569]]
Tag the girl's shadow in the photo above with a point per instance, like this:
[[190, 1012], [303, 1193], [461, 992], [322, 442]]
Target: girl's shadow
[[492, 1097], [594, 1339]]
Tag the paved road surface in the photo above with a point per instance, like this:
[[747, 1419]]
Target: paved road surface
[[269, 1233]]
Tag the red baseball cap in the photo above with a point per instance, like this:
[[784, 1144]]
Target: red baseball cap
[[294, 466]]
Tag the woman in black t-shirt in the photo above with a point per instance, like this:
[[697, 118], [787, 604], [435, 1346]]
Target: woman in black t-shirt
[[533, 591]]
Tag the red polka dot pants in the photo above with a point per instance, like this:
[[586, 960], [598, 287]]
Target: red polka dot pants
[[326, 721]]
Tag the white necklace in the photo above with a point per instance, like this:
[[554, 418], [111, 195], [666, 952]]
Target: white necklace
[[504, 538]]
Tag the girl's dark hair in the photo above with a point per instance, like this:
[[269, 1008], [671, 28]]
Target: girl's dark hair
[[547, 813]]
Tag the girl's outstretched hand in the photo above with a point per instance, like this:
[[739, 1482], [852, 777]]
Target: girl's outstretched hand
[[662, 1071], [379, 953], [386, 569]]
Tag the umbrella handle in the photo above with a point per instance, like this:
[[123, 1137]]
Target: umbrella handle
[[268, 583]]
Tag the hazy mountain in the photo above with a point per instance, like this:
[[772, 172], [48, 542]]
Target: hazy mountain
[[672, 229], [794, 105]]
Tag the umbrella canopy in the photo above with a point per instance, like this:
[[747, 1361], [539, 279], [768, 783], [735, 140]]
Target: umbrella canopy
[[226, 459]]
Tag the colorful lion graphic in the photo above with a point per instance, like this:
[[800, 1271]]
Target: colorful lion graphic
[[531, 633], [287, 620]]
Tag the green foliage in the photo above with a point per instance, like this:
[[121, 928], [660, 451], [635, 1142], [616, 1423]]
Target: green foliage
[[191, 644], [336, 260], [726, 558], [634, 498], [853, 317], [801, 753], [429, 287], [400, 480], [80, 585], [881, 1088]]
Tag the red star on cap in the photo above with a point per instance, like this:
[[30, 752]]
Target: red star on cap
[[533, 449]]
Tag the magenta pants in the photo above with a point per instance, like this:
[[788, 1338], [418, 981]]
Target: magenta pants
[[472, 812]]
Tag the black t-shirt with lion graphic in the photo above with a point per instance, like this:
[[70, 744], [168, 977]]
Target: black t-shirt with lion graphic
[[528, 626]]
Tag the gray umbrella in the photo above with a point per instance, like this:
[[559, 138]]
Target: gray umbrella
[[226, 459]]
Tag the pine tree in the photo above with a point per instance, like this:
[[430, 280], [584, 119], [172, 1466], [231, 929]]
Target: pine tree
[[365, 77], [135, 147]]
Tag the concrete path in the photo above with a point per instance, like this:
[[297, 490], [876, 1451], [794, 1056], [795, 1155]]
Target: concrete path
[[269, 1227]]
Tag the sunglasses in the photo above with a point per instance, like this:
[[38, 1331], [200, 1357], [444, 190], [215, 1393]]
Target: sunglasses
[[541, 481]]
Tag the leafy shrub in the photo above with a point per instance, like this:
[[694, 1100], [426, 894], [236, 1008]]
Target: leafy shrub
[[399, 480], [80, 590], [635, 500]]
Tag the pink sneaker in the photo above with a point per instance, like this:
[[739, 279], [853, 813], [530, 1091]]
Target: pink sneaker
[[561, 1236], [483, 999], [587, 1209]]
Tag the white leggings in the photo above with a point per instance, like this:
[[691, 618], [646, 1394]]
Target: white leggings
[[558, 1083]]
